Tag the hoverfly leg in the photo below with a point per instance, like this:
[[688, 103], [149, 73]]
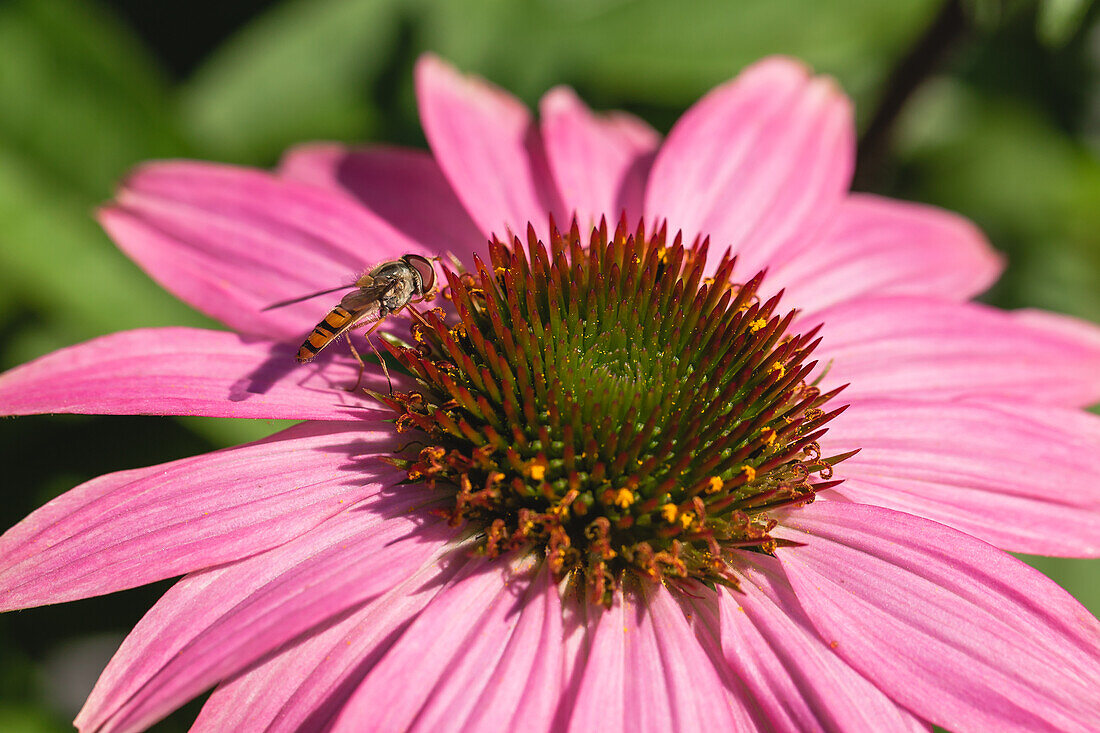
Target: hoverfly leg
[[363, 365], [416, 313], [382, 362]]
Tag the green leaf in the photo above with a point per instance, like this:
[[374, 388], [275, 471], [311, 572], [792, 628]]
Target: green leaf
[[78, 95], [227, 431], [655, 52], [27, 718], [984, 14], [1029, 186], [990, 15], [300, 72], [55, 259], [80, 102], [1060, 19]]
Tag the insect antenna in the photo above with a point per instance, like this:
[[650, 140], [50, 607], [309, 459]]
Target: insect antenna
[[300, 298]]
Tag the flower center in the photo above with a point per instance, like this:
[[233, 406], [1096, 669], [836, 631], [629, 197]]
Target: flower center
[[610, 408]]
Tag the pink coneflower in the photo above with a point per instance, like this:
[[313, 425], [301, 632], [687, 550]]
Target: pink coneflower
[[588, 504]]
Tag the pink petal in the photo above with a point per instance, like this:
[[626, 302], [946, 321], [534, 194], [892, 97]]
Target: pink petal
[[600, 702], [600, 163], [525, 684], [134, 527], [801, 683], [672, 684], [186, 371], [403, 186], [1019, 476], [433, 655], [700, 607], [432, 678], [215, 623], [489, 149], [1073, 329], [878, 246], [934, 349], [953, 629], [646, 671], [576, 639], [231, 241], [305, 686], [758, 164]]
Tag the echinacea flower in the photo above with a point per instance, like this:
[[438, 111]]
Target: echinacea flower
[[589, 501]]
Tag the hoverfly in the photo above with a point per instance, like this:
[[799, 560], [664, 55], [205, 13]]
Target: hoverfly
[[385, 290]]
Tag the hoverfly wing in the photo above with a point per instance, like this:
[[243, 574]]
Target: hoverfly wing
[[364, 296], [301, 298]]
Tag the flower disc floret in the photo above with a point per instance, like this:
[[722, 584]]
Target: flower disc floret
[[608, 406]]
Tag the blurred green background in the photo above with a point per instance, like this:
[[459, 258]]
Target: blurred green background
[[987, 107]]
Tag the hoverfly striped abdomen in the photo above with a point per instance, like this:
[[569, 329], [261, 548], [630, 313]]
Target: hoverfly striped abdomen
[[333, 324]]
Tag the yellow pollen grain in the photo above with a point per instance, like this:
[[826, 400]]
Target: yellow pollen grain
[[770, 440], [714, 484], [624, 498], [687, 519], [750, 473], [758, 324], [458, 332], [669, 512], [777, 367], [537, 471]]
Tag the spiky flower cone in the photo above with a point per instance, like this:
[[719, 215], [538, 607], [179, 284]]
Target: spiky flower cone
[[604, 404]]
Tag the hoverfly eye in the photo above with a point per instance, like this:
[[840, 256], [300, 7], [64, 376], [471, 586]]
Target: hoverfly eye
[[424, 268]]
